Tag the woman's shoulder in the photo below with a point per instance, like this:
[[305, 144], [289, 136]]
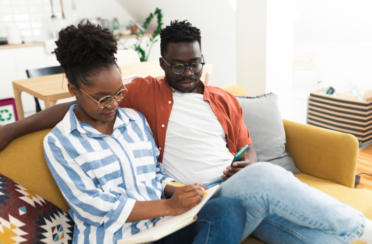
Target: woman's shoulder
[[131, 113], [56, 134], [62, 130]]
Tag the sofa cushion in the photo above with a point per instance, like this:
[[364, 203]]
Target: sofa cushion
[[28, 218], [27, 153], [359, 199], [263, 120]]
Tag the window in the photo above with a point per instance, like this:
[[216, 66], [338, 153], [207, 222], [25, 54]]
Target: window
[[32, 17]]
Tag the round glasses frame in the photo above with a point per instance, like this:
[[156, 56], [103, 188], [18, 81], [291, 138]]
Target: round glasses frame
[[184, 66], [109, 97]]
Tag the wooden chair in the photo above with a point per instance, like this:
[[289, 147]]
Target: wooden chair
[[235, 89], [206, 76], [43, 72], [128, 56]]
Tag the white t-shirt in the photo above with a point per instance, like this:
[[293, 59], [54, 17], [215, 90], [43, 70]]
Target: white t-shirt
[[195, 143]]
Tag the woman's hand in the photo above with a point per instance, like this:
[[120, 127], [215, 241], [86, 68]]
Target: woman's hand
[[185, 198]]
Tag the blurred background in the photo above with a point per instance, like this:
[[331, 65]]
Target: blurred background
[[289, 47]]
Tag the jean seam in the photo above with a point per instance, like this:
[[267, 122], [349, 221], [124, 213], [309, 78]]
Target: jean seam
[[289, 231], [209, 229], [357, 233]]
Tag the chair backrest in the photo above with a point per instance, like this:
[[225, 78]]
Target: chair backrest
[[128, 56], [44, 71], [235, 89], [128, 79], [206, 76]]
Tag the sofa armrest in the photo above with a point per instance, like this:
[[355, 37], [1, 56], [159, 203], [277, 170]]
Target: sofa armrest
[[322, 153]]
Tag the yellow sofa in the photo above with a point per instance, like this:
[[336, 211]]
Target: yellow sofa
[[327, 160]]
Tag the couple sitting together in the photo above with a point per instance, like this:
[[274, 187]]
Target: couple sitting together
[[110, 152]]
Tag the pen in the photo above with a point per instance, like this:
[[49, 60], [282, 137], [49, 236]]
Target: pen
[[171, 183]]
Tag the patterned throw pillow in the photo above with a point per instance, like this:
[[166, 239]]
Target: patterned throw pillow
[[28, 218]]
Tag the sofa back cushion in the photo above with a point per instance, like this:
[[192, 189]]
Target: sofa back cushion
[[24, 162], [263, 120]]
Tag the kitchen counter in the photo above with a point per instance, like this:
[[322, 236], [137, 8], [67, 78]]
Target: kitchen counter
[[12, 46]]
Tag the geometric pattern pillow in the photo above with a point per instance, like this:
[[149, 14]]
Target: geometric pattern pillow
[[28, 218]]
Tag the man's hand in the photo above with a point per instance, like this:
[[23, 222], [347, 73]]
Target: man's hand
[[250, 158], [235, 168]]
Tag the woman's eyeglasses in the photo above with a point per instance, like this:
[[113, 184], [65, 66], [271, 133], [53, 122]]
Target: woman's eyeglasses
[[105, 101]]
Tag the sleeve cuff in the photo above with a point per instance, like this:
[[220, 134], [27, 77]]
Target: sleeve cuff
[[163, 186], [123, 210]]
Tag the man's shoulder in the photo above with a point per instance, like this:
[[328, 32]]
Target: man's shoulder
[[221, 94], [141, 81]]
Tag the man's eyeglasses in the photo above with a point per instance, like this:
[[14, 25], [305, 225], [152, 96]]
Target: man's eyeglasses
[[178, 69], [105, 101]]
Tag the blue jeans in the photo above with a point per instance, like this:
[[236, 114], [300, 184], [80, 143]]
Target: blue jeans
[[221, 220], [282, 209]]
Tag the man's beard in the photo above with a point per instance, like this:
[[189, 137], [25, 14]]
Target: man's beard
[[188, 79]]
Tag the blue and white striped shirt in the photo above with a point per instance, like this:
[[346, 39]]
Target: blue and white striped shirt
[[102, 176]]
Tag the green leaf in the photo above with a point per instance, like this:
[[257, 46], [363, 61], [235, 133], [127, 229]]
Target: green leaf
[[153, 38]]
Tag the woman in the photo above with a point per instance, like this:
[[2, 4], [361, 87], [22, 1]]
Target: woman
[[104, 158]]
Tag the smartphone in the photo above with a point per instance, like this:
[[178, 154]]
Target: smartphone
[[240, 155]]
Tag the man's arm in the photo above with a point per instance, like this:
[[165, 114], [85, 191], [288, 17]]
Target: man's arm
[[250, 158], [45, 119]]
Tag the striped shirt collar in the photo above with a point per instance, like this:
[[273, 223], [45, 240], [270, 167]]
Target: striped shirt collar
[[71, 123]]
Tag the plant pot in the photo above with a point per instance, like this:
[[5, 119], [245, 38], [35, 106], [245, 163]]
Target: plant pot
[[134, 29]]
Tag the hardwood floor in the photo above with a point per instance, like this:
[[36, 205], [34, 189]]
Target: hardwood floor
[[364, 165]]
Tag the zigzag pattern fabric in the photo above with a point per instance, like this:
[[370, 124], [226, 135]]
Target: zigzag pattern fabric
[[28, 218], [348, 116]]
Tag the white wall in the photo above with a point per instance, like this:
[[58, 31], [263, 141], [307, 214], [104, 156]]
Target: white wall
[[339, 32], [251, 34], [215, 18], [264, 48]]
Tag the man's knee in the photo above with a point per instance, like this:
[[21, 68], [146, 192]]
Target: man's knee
[[258, 175], [262, 170], [226, 209]]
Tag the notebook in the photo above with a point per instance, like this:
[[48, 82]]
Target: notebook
[[169, 224]]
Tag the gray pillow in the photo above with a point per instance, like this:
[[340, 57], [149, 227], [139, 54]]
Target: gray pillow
[[263, 120]]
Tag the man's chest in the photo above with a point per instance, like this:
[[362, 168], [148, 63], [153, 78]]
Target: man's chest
[[191, 115]]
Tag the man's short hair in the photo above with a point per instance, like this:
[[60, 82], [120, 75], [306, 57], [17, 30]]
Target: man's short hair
[[178, 31]]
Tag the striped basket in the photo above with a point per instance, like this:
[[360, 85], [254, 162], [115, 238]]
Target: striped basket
[[349, 116]]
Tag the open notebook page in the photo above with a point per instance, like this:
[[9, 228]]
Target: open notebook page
[[170, 224]]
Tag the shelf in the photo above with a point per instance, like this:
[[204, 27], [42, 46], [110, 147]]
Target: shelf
[[133, 36], [12, 46]]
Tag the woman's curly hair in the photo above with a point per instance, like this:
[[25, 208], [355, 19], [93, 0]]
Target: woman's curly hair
[[84, 51], [178, 31]]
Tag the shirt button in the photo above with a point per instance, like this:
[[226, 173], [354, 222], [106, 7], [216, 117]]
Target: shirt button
[[162, 125], [169, 102], [160, 148]]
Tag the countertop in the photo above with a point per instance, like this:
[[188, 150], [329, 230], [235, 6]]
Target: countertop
[[11, 46]]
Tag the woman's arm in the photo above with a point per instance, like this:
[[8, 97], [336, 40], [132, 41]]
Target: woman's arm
[[183, 199], [99, 208]]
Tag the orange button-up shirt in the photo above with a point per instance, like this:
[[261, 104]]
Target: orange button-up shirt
[[154, 99]]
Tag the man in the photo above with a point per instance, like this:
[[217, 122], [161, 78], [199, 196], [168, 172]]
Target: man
[[199, 128]]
